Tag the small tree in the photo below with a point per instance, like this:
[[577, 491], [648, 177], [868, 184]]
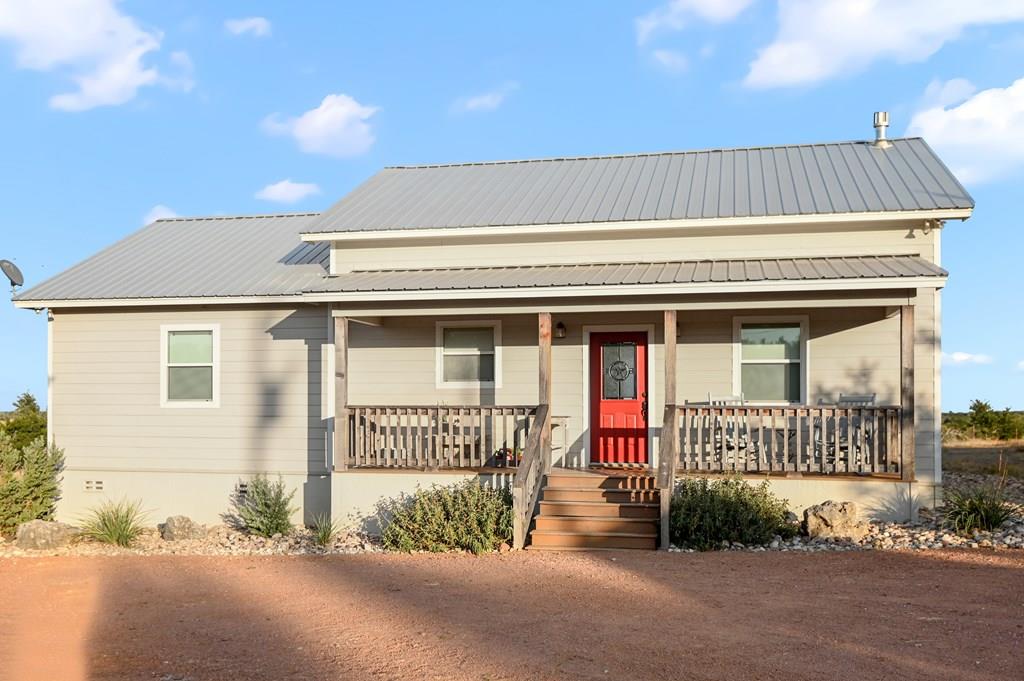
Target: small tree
[[26, 402], [29, 482], [982, 418], [26, 424]]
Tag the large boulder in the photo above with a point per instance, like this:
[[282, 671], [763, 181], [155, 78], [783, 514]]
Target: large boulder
[[43, 534], [178, 527], [835, 520]]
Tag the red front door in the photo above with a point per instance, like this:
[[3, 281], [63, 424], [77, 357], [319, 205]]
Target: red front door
[[618, 397]]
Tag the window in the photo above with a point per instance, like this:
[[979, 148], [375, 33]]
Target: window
[[770, 359], [619, 371], [469, 354], [189, 366]]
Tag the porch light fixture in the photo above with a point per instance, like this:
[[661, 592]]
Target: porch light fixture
[[559, 330]]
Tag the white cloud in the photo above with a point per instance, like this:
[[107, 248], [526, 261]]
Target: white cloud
[[339, 127], [287, 191], [673, 15], [965, 358], [947, 92], [980, 138], [158, 212], [256, 26], [184, 78], [1020, 365], [487, 101], [100, 49], [671, 60], [822, 39]]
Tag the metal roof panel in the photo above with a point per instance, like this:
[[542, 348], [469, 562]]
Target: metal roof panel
[[631, 274]]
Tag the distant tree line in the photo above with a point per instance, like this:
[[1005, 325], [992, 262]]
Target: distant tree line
[[984, 423]]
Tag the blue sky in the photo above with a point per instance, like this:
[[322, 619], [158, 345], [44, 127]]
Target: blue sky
[[118, 110]]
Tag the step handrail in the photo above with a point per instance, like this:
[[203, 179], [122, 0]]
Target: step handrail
[[529, 475]]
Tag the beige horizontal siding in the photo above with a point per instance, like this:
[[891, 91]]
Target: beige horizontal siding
[[107, 412], [106, 396], [780, 242]]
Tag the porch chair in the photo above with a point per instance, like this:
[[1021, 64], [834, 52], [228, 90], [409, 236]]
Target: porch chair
[[734, 441], [853, 454]]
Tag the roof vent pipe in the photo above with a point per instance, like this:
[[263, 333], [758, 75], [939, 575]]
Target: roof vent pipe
[[881, 123]]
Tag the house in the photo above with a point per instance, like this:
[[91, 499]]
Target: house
[[583, 329]]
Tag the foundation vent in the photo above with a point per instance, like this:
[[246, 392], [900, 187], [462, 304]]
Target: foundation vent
[[93, 485]]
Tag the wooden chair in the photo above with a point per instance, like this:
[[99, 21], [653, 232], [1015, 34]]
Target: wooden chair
[[849, 439], [734, 441]]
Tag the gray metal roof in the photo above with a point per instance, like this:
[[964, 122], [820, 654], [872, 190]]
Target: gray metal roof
[[812, 179], [633, 273], [197, 257]]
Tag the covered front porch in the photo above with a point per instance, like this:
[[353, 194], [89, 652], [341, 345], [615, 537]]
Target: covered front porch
[[539, 405]]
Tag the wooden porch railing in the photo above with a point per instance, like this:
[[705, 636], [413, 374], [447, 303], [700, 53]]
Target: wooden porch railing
[[529, 477], [798, 439], [438, 436]]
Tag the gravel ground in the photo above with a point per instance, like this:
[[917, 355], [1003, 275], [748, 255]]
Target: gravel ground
[[927, 533], [220, 540], [950, 615]]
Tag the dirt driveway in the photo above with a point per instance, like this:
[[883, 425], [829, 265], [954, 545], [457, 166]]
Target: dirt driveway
[[858, 616]]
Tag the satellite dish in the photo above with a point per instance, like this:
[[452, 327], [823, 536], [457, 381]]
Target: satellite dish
[[13, 273]]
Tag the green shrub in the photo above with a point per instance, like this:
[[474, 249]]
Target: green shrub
[[265, 509], [324, 528], [465, 517], [704, 513], [982, 508], [118, 523], [29, 482]]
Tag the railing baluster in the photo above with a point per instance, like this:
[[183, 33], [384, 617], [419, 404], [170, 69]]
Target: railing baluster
[[407, 441], [750, 450], [894, 441], [362, 452]]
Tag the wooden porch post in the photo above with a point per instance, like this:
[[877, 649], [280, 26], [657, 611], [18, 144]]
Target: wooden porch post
[[670, 357], [907, 453], [544, 382], [668, 452], [341, 426]]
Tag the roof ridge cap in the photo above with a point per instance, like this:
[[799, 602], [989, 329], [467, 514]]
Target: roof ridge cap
[[543, 159], [254, 216]]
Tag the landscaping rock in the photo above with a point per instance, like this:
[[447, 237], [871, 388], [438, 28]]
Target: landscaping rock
[[835, 520], [178, 527], [43, 534]]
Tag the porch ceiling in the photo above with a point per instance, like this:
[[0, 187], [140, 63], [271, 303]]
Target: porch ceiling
[[899, 270]]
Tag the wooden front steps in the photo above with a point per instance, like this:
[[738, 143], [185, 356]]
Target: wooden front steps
[[583, 510]]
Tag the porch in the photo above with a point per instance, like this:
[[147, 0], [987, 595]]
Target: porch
[[522, 444]]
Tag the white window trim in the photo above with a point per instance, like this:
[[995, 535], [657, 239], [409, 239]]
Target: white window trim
[[440, 383], [737, 353], [165, 330]]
